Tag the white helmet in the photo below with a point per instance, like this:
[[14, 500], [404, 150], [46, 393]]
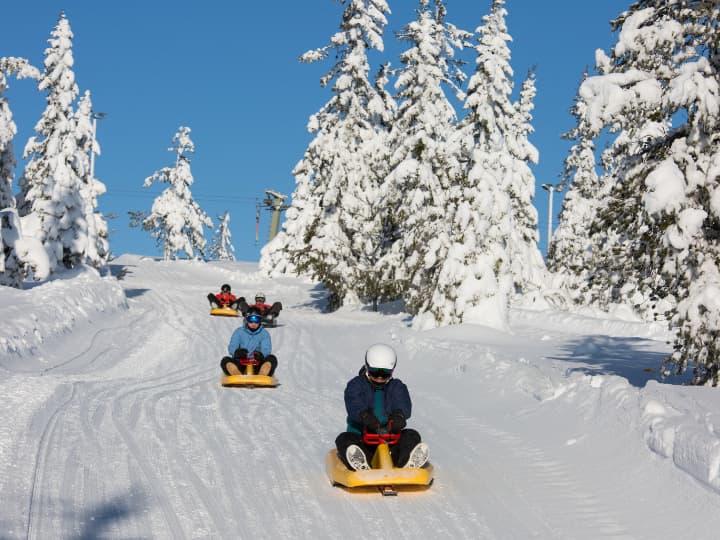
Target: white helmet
[[381, 356]]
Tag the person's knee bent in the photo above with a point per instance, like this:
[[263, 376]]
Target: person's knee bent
[[345, 439], [273, 363], [223, 364], [410, 436]]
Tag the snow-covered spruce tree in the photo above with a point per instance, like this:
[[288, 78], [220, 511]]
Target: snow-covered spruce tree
[[423, 187], [334, 227], [21, 69], [570, 248], [495, 134], [176, 221], [97, 250], [622, 269], [368, 212], [526, 263], [50, 199], [474, 281], [659, 89], [221, 247], [19, 256]]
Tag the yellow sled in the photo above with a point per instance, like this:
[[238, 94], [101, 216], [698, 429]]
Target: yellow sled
[[249, 378], [382, 474], [225, 312]]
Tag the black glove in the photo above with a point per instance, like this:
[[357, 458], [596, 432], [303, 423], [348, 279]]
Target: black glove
[[241, 353], [257, 355], [396, 422], [370, 421]]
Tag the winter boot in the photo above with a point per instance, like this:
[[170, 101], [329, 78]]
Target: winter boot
[[232, 368], [356, 458], [418, 456], [265, 368]]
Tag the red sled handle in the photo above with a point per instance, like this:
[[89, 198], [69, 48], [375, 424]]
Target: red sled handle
[[248, 362], [380, 438]]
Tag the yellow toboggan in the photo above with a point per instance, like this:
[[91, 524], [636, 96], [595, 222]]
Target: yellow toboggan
[[381, 474], [249, 378], [224, 311]]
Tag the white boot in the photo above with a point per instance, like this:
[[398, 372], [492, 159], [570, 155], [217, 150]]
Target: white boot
[[356, 458], [418, 456]]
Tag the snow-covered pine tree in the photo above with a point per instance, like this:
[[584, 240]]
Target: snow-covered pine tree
[[623, 272], [423, 187], [21, 69], [221, 247], [367, 211], [19, 256], [526, 262], [176, 221], [531, 275], [50, 199], [570, 248], [505, 132], [334, 228], [475, 280], [96, 251], [663, 78]]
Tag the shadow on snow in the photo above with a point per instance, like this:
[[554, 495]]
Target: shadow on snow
[[622, 356]]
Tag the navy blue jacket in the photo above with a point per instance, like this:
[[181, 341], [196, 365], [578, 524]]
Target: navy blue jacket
[[361, 395]]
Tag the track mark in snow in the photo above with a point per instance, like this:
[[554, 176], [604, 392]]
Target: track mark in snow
[[36, 505], [552, 490]]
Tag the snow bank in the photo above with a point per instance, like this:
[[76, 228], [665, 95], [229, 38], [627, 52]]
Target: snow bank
[[683, 426], [74, 297]]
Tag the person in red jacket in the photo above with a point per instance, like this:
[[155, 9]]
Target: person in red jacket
[[223, 299], [266, 310]]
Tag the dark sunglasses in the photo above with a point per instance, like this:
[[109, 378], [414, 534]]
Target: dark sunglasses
[[259, 299], [226, 289], [380, 373], [253, 318]]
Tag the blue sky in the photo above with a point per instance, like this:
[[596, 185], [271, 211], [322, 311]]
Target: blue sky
[[230, 71]]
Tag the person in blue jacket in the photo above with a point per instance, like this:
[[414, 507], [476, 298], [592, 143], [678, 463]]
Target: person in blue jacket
[[378, 403], [251, 340]]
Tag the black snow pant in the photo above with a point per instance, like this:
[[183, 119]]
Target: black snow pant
[[400, 451], [270, 358], [213, 300]]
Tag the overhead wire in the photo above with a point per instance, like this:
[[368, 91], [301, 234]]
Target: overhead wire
[[198, 196]]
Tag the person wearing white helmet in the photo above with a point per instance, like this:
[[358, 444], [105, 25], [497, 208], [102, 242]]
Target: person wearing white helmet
[[268, 311], [376, 402]]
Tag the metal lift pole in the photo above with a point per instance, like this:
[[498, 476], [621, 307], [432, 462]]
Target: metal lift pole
[[274, 202]]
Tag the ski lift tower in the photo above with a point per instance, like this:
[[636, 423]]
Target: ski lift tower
[[274, 202]]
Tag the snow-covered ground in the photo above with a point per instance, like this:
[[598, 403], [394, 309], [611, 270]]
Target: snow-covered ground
[[114, 423]]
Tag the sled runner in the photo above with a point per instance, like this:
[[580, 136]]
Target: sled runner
[[249, 378], [382, 473], [225, 312]]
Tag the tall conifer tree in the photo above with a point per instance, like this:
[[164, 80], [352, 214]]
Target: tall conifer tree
[[50, 186], [176, 221], [422, 187], [221, 247], [97, 249], [570, 248], [333, 229], [17, 260], [659, 225]]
